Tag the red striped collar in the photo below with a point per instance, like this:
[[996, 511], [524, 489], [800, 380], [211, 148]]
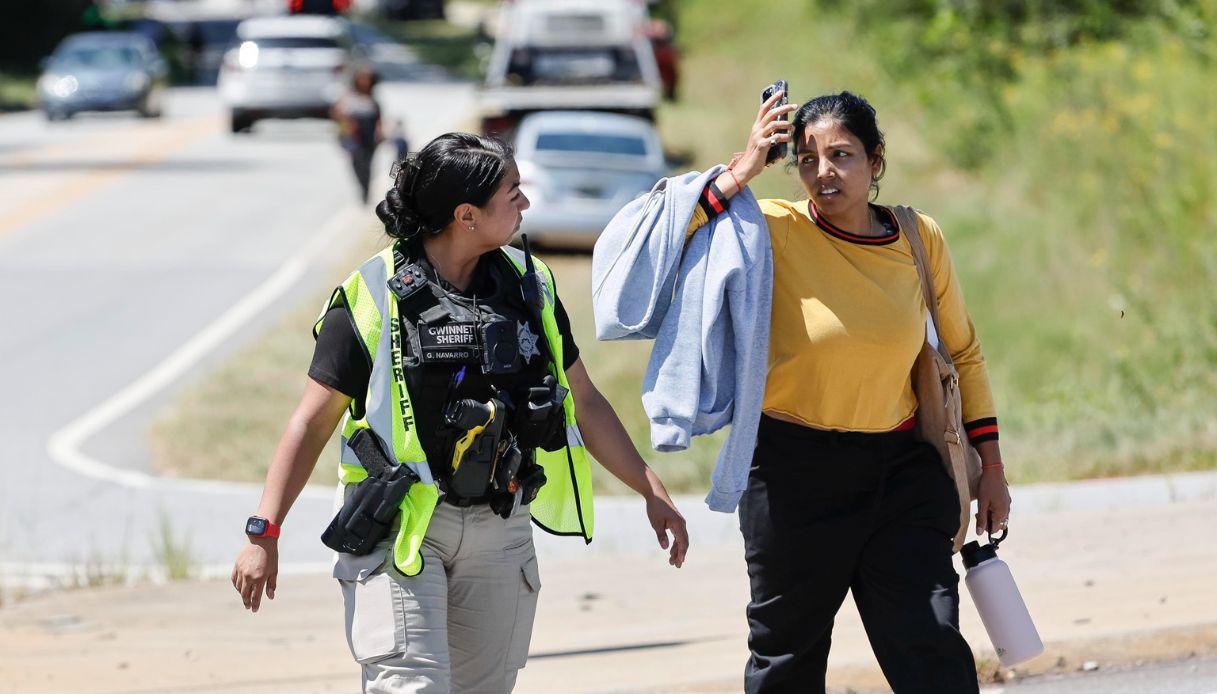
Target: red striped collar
[[832, 230]]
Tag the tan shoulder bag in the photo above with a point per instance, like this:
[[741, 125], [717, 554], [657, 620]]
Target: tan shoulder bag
[[936, 384]]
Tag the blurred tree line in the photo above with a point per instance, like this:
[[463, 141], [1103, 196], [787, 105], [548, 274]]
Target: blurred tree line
[[31, 29], [982, 46]]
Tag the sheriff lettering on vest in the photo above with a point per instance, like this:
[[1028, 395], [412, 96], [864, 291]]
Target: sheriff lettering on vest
[[465, 412]]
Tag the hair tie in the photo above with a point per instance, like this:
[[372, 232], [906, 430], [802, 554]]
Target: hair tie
[[415, 173]]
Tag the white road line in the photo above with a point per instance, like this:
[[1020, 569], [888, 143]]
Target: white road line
[[64, 446]]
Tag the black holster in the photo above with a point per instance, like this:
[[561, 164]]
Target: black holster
[[367, 514]]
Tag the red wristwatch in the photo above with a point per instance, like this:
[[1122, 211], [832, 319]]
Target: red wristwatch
[[257, 526]]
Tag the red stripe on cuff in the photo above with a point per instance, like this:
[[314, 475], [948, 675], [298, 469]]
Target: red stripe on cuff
[[981, 431]]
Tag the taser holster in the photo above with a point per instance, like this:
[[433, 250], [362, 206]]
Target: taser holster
[[367, 514]]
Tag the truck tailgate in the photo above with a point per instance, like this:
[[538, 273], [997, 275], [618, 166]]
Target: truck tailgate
[[590, 97]]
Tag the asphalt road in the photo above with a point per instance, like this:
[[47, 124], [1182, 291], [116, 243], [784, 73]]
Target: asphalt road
[[133, 255], [1185, 677]]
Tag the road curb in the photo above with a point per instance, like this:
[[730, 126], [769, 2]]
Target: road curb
[[621, 526]]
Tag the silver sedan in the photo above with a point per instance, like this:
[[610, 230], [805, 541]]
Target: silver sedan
[[103, 71], [579, 168]]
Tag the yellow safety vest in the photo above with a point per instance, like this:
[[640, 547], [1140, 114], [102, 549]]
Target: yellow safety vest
[[562, 507]]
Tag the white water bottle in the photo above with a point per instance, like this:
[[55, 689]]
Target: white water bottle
[[999, 603]]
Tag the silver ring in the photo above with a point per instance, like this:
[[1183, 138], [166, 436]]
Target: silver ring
[[1005, 521]]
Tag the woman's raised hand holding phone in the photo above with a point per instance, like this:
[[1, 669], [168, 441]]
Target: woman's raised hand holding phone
[[771, 127]]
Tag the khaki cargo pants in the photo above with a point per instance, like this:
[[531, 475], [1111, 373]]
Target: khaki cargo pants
[[463, 624]]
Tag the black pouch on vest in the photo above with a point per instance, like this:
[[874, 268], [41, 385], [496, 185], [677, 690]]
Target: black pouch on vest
[[367, 515], [540, 420]]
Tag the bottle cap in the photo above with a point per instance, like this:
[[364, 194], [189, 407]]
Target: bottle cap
[[975, 553]]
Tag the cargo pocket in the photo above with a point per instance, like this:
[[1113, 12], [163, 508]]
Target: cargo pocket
[[375, 622], [526, 611]]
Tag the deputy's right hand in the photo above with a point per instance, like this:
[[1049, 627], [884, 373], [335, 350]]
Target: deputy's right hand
[[768, 129], [257, 567]]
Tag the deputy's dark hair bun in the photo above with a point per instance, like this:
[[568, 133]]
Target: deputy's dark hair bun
[[451, 170], [397, 211]]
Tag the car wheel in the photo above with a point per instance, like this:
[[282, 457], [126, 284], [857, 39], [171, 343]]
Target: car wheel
[[56, 115], [151, 106], [241, 122]]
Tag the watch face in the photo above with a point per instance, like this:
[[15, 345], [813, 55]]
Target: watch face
[[255, 526]]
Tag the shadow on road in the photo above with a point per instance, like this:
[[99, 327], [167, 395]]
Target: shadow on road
[[615, 649]]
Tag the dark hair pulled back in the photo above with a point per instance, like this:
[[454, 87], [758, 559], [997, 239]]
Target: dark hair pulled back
[[452, 170], [856, 115]]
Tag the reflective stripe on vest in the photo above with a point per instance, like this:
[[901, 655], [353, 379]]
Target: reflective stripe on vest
[[386, 412], [564, 504]]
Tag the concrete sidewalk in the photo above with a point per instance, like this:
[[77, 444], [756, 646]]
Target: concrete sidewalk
[[1110, 585]]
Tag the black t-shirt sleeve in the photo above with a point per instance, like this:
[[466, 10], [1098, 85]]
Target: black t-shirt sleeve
[[570, 350], [339, 359]]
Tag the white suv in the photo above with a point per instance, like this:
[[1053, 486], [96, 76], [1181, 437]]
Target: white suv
[[285, 67]]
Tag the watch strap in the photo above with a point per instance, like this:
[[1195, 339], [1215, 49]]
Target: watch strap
[[269, 529]]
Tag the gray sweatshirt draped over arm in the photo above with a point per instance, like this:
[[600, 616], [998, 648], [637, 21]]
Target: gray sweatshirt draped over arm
[[706, 304]]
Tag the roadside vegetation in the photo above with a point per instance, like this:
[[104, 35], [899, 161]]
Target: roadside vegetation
[[1067, 153], [459, 49], [17, 92]]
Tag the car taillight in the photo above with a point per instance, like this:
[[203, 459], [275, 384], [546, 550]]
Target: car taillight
[[497, 125]]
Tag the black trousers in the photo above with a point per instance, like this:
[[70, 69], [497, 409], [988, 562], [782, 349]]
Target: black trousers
[[361, 164], [829, 512]]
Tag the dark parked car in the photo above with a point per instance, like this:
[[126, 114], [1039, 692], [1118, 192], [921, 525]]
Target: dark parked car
[[412, 9], [207, 40], [103, 71]]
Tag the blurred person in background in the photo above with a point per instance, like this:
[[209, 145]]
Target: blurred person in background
[[401, 143], [840, 492], [359, 128], [445, 602]]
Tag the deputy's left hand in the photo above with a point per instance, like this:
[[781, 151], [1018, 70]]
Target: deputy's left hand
[[664, 518], [992, 502]]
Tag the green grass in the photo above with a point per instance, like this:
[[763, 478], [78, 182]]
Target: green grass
[[17, 91], [172, 551], [1084, 241]]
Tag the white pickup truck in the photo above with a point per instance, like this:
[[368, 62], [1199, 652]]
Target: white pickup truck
[[585, 55]]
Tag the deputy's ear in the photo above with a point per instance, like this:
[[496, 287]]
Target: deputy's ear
[[465, 215]]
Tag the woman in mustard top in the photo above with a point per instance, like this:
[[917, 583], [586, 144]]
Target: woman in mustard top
[[842, 495]]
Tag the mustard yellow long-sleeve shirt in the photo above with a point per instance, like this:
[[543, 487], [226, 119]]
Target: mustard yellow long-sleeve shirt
[[848, 321]]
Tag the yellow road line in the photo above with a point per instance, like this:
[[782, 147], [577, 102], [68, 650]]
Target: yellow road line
[[60, 196], [85, 140]]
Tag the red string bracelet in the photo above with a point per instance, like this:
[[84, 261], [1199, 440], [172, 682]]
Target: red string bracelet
[[738, 186]]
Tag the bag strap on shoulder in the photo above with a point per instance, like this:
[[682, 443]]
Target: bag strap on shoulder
[[909, 223]]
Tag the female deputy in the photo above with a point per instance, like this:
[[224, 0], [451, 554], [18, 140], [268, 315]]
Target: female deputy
[[841, 494], [437, 348]]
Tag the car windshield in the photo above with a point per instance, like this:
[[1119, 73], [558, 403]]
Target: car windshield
[[97, 58], [573, 65], [591, 143], [295, 42]]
